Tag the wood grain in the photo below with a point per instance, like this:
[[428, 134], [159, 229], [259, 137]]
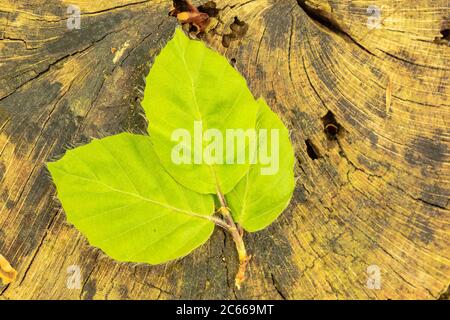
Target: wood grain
[[373, 182]]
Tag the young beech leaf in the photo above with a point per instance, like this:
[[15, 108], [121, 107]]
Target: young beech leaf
[[189, 83], [259, 199], [131, 198], [115, 191]]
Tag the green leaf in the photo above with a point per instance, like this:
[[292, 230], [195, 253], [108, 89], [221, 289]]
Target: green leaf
[[135, 201], [115, 191], [259, 199], [189, 82]]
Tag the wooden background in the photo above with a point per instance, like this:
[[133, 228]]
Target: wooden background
[[377, 193]]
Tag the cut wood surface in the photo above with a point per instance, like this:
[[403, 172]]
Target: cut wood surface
[[363, 87]]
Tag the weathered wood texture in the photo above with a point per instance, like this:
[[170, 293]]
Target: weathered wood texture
[[375, 194]]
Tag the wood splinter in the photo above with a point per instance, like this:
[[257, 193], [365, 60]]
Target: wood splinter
[[7, 273]]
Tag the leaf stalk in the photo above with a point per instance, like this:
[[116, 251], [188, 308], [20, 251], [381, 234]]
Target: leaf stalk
[[237, 234]]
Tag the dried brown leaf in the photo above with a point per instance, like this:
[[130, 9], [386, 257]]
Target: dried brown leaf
[[187, 13]]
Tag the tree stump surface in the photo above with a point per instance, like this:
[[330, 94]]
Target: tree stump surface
[[365, 96]]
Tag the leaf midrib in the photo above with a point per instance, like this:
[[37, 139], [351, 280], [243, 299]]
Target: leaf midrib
[[138, 196], [194, 94]]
